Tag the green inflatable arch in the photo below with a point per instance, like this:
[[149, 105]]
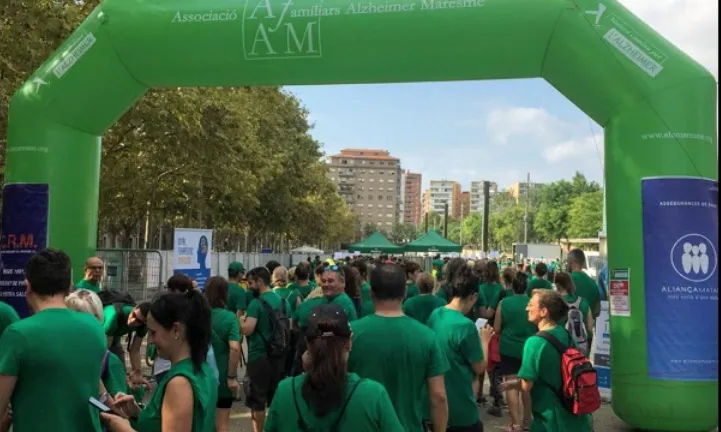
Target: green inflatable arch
[[658, 108]]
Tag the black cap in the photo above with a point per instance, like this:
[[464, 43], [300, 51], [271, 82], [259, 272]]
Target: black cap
[[328, 320]]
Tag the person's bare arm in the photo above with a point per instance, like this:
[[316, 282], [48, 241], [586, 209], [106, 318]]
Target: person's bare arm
[[233, 358], [438, 402], [134, 355], [498, 320], [247, 326], [589, 323], [177, 410], [7, 386]]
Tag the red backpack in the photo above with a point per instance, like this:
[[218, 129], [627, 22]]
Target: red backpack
[[579, 389]]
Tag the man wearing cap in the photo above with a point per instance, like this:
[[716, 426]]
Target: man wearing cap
[[238, 297], [400, 353]]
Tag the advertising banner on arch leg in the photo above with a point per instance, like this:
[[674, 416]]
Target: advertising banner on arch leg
[[680, 231], [191, 253]]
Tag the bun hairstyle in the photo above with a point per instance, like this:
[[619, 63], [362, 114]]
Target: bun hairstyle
[[465, 283], [192, 310], [564, 283], [553, 302], [520, 283]]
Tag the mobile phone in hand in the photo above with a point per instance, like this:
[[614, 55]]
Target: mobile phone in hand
[[98, 405]]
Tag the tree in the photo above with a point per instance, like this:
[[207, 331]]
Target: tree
[[403, 233], [585, 216], [368, 229]]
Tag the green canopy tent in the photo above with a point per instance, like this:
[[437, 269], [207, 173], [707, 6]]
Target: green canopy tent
[[432, 242], [375, 243]]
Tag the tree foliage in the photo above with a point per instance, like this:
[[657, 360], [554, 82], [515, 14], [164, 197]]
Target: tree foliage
[[239, 160]]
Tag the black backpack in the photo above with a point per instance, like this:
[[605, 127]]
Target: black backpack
[[279, 344], [334, 427]]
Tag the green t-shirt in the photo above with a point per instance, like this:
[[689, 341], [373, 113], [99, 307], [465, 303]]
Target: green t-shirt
[[538, 283], [117, 326], [303, 290], [302, 312], [587, 288], [500, 295], [491, 290], [461, 344], [290, 294], [366, 292], [56, 354], [438, 264], [475, 312], [367, 308], [584, 308], [256, 345], [515, 327], [85, 284], [7, 316], [114, 379], [238, 297], [401, 354], [225, 330], [411, 291], [542, 365], [205, 396], [420, 307], [368, 409]]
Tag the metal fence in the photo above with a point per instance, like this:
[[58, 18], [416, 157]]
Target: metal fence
[[139, 272]]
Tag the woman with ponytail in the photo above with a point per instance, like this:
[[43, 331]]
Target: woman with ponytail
[[179, 325], [326, 397]]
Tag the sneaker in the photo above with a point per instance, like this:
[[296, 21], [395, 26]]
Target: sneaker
[[481, 400], [495, 411]]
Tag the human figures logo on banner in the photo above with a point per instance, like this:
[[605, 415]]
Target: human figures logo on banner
[[694, 258]]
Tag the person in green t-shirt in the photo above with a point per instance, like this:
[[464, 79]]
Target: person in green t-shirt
[[93, 275], [180, 326], [263, 373], [583, 335], [225, 339], [540, 372], [327, 395], [454, 268], [412, 271], [586, 287], [361, 269], [8, 315], [491, 288], [55, 354], [238, 294], [130, 321], [421, 306], [539, 280], [464, 349], [283, 287], [400, 353], [511, 323], [302, 282]]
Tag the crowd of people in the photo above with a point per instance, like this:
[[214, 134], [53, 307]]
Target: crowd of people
[[360, 345]]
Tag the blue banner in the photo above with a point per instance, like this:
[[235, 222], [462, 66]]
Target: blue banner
[[680, 232], [24, 232], [192, 253]]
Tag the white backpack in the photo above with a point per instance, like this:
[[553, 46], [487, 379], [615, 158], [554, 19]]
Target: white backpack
[[576, 325]]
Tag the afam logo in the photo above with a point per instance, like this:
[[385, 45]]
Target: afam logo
[[279, 34], [694, 258]]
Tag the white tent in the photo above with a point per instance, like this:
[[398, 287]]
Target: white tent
[[305, 249]]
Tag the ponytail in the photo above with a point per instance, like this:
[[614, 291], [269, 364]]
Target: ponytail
[[193, 311], [326, 378]]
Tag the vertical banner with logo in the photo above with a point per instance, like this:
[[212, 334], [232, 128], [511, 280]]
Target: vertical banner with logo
[[602, 351], [192, 252], [620, 290], [24, 232], [680, 231]]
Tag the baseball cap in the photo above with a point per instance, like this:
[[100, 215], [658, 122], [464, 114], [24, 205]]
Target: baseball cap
[[236, 267], [328, 320]]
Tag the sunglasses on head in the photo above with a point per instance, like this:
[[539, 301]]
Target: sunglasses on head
[[334, 267]]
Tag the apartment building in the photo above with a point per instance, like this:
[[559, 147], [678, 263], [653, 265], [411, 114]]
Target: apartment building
[[369, 180], [477, 201], [465, 204], [444, 192], [411, 193], [518, 189]]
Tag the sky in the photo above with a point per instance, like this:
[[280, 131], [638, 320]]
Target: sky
[[464, 131]]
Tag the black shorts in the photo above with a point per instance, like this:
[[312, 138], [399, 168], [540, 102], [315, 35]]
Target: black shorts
[[509, 365], [263, 376], [478, 427], [224, 403]]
